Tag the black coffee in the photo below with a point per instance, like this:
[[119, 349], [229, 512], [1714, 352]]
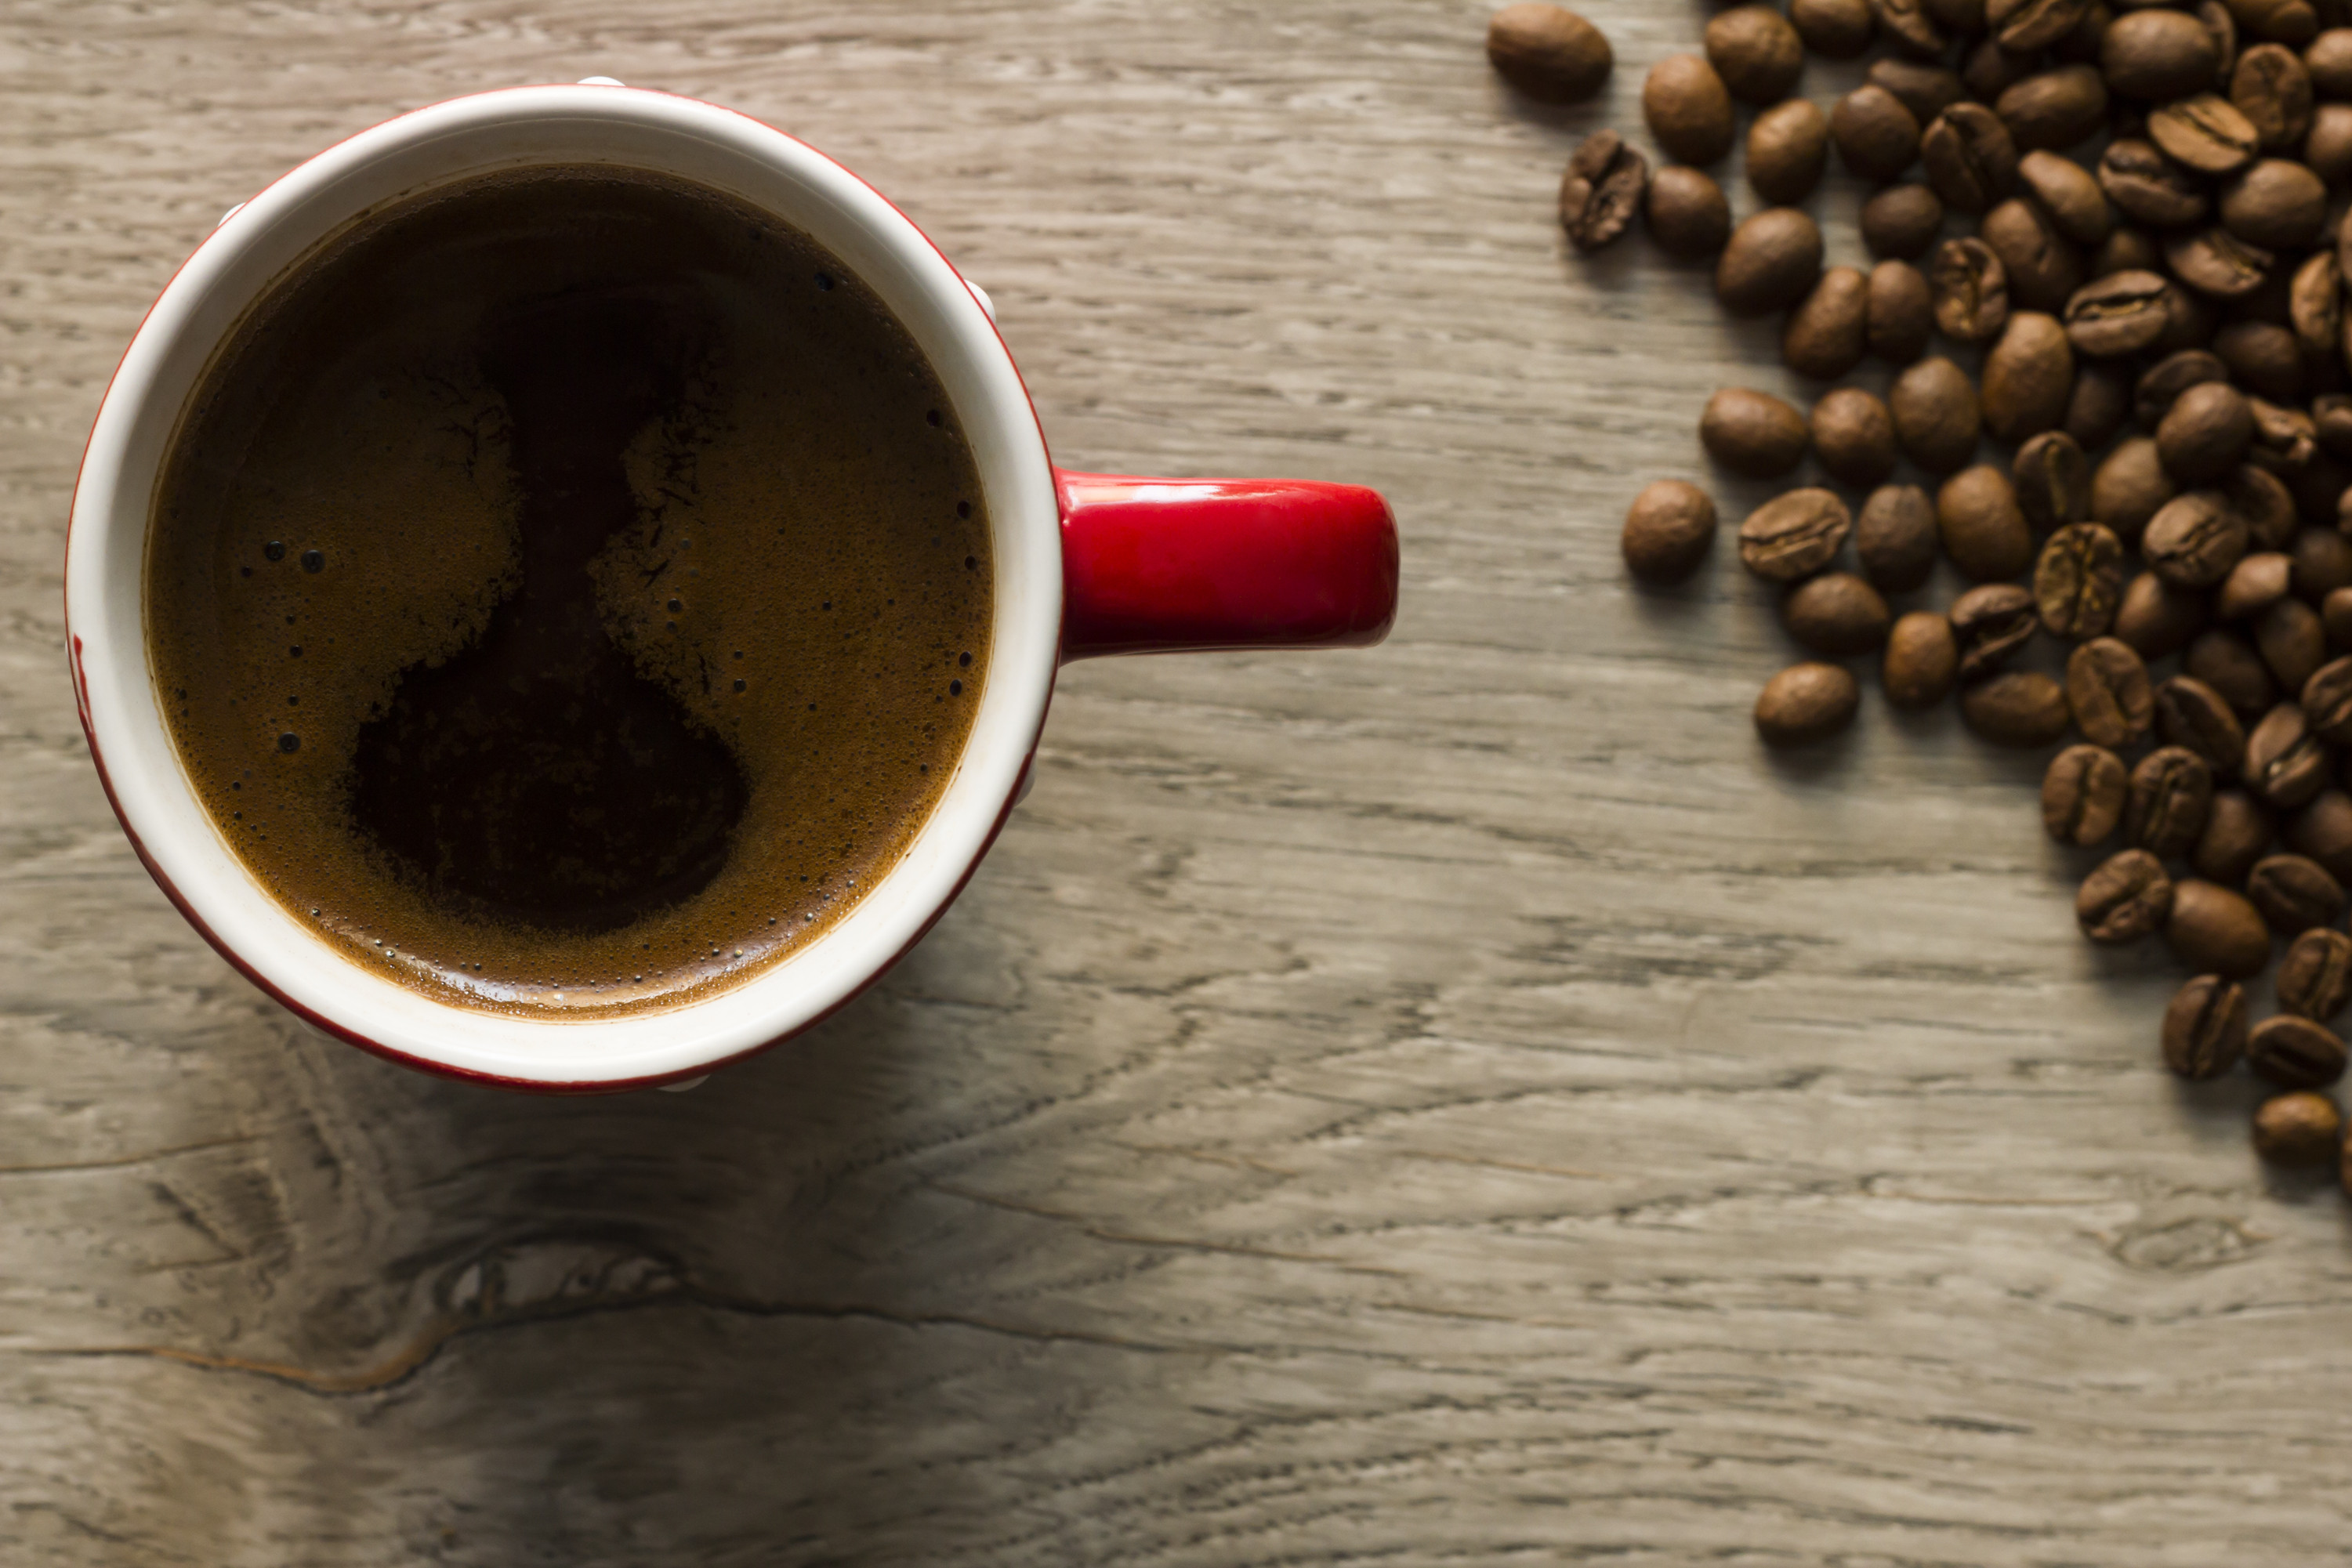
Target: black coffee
[[571, 589]]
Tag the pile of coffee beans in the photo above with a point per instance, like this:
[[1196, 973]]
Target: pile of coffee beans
[[2110, 251]]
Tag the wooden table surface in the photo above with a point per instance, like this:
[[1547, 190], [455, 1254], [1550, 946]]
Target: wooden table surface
[[1462, 1103]]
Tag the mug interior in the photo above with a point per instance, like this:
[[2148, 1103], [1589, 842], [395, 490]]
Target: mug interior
[[204, 304]]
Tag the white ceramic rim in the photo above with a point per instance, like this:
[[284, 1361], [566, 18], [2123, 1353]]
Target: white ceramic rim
[[177, 839]]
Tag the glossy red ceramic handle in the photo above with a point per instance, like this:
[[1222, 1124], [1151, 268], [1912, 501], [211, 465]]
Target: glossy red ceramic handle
[[1153, 566]]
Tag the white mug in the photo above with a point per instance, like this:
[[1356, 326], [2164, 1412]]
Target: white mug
[[1085, 564]]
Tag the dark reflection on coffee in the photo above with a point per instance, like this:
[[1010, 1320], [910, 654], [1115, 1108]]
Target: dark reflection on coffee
[[572, 590]]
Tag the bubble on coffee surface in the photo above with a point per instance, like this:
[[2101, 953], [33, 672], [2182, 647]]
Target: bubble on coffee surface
[[749, 565]]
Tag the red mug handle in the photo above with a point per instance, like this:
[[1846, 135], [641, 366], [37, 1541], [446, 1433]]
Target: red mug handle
[[1155, 566]]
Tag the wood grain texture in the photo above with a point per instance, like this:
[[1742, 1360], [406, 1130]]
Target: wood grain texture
[[1457, 1104]]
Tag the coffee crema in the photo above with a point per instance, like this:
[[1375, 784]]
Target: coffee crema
[[569, 591]]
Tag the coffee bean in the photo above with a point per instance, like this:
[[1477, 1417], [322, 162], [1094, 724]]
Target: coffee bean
[[1772, 261], [2155, 56], [1989, 625], [2023, 708], [2286, 765], [1669, 529], [2022, 27], [1926, 91], [2329, 60], [1876, 137], [2275, 205], [2078, 581], [1601, 191], [2206, 134], [1898, 311], [2333, 423], [1689, 109], [2314, 977], [2254, 584], [2237, 835], [2295, 894], [1922, 660], [2056, 109], [2148, 187], [1753, 433], [2156, 618], [2285, 441], [1895, 539], [2299, 1129], [2083, 795], [2029, 376], [1836, 615], [2195, 540], [1788, 148], [2108, 693], [1970, 290], [2263, 357], [2043, 267], [1937, 417], [2076, 206], [2263, 504], [2128, 249], [2161, 386], [2323, 831], [1902, 221], [2271, 88], [1756, 52], [2228, 663], [2214, 930], [2294, 642], [2166, 802], [2328, 148], [1834, 29], [2327, 701], [2295, 1052], [1970, 156], [2336, 617], [2053, 479], [1853, 435], [1906, 25], [2205, 1025], [1988, 71], [2291, 22], [2121, 313], [2128, 896], [2192, 714], [2101, 402], [1548, 52], [1689, 216], [2130, 487], [1827, 333], [2316, 304], [1978, 518], [2323, 563], [1806, 702], [2217, 263], [1793, 536], [2205, 433]]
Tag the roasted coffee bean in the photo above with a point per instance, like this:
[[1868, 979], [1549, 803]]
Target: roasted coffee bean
[[2237, 835], [2043, 267], [2148, 187], [1689, 216], [2022, 27], [1753, 433], [1970, 156], [2128, 249], [2254, 585], [1895, 539], [1988, 71], [1788, 148], [2216, 262], [1601, 191], [2078, 581], [1899, 312], [2205, 133], [2053, 479], [2195, 540], [1853, 435], [2327, 701], [2156, 618], [2336, 618], [1908, 26], [2315, 305], [2295, 894], [2167, 800], [2286, 765], [2264, 504], [2286, 440], [2295, 1052], [2108, 693], [1773, 261], [2205, 433], [1876, 137], [2056, 109], [2077, 207], [2329, 62], [1922, 660], [1836, 615], [2028, 377], [2328, 148], [2263, 358], [2332, 423], [2323, 563], [2162, 386], [2121, 313], [1834, 29], [1989, 625], [2314, 977], [1926, 91], [2293, 641], [1970, 289], [1937, 417], [2083, 795], [2291, 22], [1806, 702], [2228, 663], [2156, 57], [1756, 52], [2205, 1026], [2271, 88], [1669, 529], [2323, 831], [1827, 333], [2129, 487], [2303, 1128], [1902, 221], [2098, 410], [2275, 205], [1689, 109], [1983, 531], [2214, 930], [1793, 536], [1548, 52], [2023, 708], [2194, 717], [2128, 896]]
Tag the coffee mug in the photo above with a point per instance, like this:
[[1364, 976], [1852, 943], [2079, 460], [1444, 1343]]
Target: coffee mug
[[1087, 564]]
